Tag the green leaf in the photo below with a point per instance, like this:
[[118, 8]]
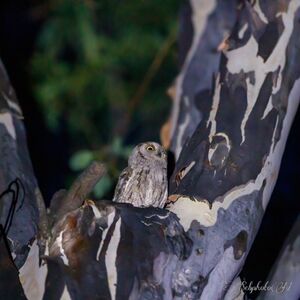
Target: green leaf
[[103, 186], [127, 151], [117, 146], [81, 160]]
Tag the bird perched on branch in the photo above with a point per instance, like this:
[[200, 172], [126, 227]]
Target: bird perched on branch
[[144, 182]]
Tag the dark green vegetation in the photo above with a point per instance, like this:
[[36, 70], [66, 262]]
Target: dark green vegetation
[[101, 68]]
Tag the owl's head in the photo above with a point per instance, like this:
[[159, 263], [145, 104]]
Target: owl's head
[[149, 151]]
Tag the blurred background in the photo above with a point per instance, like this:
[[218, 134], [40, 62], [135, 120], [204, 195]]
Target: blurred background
[[91, 77]]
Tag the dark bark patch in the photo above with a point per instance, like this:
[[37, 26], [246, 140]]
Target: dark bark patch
[[199, 251], [222, 71], [271, 8], [186, 32], [125, 263], [269, 38], [236, 40], [55, 281], [203, 101], [193, 150], [201, 232], [10, 286], [218, 151], [199, 284], [256, 24], [233, 103], [239, 244]]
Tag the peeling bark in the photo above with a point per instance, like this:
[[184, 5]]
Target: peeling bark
[[235, 151], [209, 22]]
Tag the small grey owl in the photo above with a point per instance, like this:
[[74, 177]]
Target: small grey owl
[[144, 182]]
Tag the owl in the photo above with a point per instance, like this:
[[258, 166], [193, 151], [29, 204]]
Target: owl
[[144, 182]]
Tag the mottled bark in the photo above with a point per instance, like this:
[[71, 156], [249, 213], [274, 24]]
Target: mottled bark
[[236, 97], [227, 169], [15, 163], [204, 25]]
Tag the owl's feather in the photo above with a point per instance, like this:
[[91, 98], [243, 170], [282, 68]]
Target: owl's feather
[[144, 182], [123, 179]]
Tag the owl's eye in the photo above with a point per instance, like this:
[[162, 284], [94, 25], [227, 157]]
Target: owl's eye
[[150, 148]]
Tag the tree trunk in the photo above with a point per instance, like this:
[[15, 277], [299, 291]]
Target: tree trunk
[[236, 97], [15, 164], [227, 169]]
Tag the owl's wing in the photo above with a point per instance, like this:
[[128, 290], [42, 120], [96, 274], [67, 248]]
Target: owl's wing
[[123, 179]]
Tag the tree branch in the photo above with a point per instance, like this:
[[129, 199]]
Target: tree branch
[[231, 118], [226, 171], [79, 190]]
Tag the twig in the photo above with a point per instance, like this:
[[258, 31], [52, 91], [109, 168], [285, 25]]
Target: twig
[[151, 72]]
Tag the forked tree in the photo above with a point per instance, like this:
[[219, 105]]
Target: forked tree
[[234, 101]]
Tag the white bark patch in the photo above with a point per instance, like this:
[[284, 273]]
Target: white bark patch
[[32, 275], [246, 59], [161, 217], [65, 295], [12, 104], [7, 120], [212, 150], [188, 210], [96, 211], [110, 259], [13, 254], [158, 216], [242, 31], [269, 106], [213, 112], [187, 169], [260, 13], [145, 223], [222, 274], [110, 219], [201, 11], [225, 136], [59, 243]]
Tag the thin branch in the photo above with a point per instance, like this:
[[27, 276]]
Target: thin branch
[[144, 85]]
